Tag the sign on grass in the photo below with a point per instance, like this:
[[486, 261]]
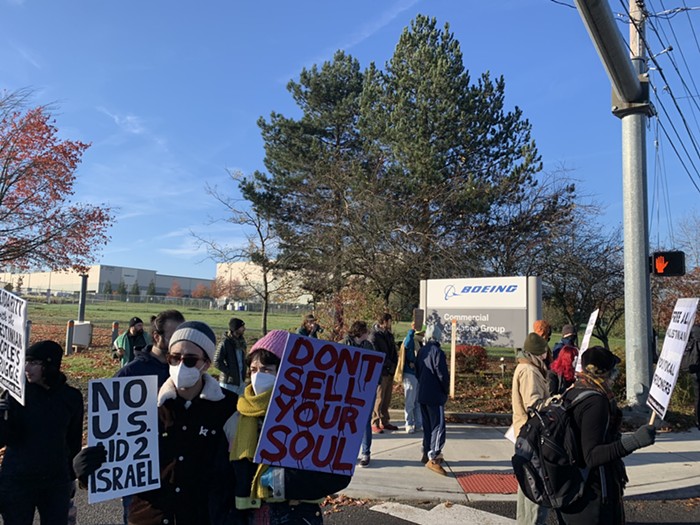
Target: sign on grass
[[320, 406]]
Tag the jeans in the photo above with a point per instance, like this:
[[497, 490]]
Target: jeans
[[412, 409], [18, 504], [366, 446]]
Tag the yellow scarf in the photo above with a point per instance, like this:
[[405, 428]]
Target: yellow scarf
[[251, 407]]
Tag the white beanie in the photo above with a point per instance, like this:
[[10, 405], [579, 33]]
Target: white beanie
[[198, 333]]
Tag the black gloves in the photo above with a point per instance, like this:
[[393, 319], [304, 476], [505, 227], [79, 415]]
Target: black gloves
[[88, 460], [642, 437]]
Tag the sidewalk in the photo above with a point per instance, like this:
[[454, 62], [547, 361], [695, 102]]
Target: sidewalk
[[668, 469]]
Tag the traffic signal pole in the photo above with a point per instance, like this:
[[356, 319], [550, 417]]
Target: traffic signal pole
[[628, 76]]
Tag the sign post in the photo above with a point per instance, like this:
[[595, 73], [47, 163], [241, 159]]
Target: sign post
[[453, 359]]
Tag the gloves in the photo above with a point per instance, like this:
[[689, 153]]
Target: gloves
[[88, 460], [642, 437]]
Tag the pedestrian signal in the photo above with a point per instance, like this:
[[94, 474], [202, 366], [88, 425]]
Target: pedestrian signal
[[668, 264]]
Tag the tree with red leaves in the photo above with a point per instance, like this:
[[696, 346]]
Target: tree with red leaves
[[175, 290], [40, 227]]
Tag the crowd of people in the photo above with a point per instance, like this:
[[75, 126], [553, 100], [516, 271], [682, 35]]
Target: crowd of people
[[208, 429]]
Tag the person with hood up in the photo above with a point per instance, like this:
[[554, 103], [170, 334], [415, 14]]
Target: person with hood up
[[267, 495], [433, 387], [529, 390], [41, 439]]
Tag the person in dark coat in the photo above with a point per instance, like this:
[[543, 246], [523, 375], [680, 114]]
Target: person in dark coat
[[230, 357], [383, 340], [568, 338], [433, 387], [691, 363], [562, 373], [596, 421], [42, 437]]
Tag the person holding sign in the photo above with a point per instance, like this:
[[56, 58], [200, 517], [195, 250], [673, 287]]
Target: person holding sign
[[41, 437], [596, 421], [194, 415], [265, 494]]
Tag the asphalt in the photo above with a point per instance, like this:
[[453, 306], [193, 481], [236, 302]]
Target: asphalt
[[669, 469]]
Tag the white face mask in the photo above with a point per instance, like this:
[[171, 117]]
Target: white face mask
[[262, 382], [183, 376]]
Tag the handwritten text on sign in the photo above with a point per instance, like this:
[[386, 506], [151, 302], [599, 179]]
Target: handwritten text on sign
[[320, 406], [13, 320], [123, 417], [666, 373]]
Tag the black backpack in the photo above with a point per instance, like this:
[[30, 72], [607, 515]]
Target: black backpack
[[546, 452]]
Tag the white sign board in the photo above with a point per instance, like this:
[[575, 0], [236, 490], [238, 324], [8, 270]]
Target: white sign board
[[666, 373], [123, 417], [13, 344], [586, 338]]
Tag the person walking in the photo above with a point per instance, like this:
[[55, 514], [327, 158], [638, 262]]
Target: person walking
[[568, 338], [230, 357], [596, 421], [383, 340], [562, 372], [529, 390], [41, 439], [433, 387]]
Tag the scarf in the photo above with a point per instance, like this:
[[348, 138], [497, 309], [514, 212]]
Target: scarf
[[591, 381], [250, 408]]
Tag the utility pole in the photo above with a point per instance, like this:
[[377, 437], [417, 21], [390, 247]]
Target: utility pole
[[630, 103]]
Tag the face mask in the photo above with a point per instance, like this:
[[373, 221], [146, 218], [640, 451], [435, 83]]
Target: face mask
[[183, 376], [262, 382]]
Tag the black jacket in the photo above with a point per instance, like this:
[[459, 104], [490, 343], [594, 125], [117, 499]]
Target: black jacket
[[145, 364], [226, 360], [42, 437], [383, 342]]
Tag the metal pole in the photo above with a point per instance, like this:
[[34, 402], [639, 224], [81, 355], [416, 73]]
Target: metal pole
[[83, 295]]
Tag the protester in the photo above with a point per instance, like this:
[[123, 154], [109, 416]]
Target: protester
[[529, 390], [152, 361], [406, 375], [433, 387], [133, 339], [358, 336], [561, 374], [568, 338], [263, 494], [194, 426], [691, 363], [383, 340], [596, 421], [544, 330], [41, 439], [230, 357], [310, 327]]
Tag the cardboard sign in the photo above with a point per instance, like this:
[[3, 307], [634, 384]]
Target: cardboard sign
[[586, 338], [418, 318], [13, 343], [320, 406], [123, 416], [666, 373]]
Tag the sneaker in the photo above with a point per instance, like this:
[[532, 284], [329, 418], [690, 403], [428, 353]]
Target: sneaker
[[425, 458], [364, 460], [410, 430], [436, 467], [389, 426], [376, 430]]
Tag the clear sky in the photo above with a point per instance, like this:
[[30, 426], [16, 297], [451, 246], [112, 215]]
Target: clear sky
[[169, 91]]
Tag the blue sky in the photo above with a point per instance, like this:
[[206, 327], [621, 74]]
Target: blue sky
[[168, 92]]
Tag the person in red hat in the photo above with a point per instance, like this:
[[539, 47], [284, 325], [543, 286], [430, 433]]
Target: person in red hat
[[42, 438]]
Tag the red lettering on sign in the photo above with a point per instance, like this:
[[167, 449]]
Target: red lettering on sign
[[296, 356], [312, 387], [281, 449], [292, 375]]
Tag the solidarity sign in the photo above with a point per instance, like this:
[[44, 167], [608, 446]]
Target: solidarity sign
[[13, 344], [123, 417], [320, 406]]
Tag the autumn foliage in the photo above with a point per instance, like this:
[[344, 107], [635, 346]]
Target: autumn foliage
[[39, 224]]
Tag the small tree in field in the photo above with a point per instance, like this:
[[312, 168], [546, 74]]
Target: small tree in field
[[201, 292], [135, 290], [175, 290], [107, 290], [121, 288], [151, 290]]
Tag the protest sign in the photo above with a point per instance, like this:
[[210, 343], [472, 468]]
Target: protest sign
[[320, 406], [586, 338], [666, 373], [13, 343], [123, 417]]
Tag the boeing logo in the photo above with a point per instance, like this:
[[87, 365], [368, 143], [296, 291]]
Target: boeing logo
[[451, 291]]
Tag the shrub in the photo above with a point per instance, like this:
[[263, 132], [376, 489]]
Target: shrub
[[470, 358]]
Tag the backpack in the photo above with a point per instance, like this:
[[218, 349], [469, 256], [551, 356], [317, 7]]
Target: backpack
[[546, 452]]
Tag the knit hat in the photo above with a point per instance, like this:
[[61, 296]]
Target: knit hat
[[198, 333], [433, 331], [275, 341], [235, 323], [535, 344], [598, 360], [567, 330], [134, 321], [542, 328], [48, 352]]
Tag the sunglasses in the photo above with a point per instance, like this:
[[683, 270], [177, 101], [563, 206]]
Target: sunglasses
[[188, 360]]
